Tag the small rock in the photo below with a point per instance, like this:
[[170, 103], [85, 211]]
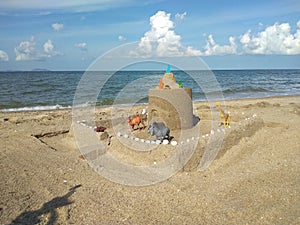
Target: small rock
[[103, 135]]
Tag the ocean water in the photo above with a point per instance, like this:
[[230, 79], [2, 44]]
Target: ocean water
[[43, 90]]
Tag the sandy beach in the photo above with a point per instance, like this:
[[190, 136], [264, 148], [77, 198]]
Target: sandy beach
[[253, 180]]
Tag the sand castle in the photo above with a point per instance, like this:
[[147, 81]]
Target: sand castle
[[170, 103]]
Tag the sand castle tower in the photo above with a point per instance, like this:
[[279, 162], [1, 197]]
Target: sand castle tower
[[171, 103]]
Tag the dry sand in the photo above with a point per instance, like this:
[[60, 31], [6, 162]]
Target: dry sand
[[253, 180]]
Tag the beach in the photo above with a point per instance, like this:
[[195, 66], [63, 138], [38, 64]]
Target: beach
[[253, 180]]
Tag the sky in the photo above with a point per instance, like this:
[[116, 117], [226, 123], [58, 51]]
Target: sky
[[71, 35]]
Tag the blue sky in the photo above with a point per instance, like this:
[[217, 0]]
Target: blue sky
[[70, 35]]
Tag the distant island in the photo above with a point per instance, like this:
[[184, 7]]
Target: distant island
[[40, 69]]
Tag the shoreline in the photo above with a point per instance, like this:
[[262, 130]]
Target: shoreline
[[69, 108]]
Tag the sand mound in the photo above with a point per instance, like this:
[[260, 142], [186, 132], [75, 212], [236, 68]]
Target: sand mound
[[220, 142]]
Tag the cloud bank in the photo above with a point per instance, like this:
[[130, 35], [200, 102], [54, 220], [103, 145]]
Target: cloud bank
[[162, 41], [26, 50], [276, 39]]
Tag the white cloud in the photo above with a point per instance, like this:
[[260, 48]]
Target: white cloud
[[49, 49], [181, 16], [161, 40], [82, 46], [57, 26], [212, 48], [27, 51], [276, 39], [121, 38], [3, 56]]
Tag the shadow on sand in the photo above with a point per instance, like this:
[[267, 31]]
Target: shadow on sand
[[33, 217]]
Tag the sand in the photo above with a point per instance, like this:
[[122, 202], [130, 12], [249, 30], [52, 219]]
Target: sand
[[253, 180]]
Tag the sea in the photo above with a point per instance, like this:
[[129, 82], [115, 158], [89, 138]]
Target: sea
[[55, 90]]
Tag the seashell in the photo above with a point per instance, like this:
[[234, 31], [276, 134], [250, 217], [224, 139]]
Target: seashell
[[136, 139], [119, 134], [212, 132], [173, 143], [157, 142], [148, 141], [142, 140], [165, 142], [126, 136]]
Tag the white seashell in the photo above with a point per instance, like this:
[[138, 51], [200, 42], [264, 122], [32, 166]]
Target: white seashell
[[154, 162], [165, 142], [193, 138], [126, 136], [182, 142], [254, 115], [157, 142], [203, 136], [144, 111], [119, 134], [229, 127], [212, 132], [187, 140], [142, 140], [219, 130], [173, 143], [153, 142], [148, 141], [207, 135], [136, 139]]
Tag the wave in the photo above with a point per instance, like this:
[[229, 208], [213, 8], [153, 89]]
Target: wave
[[36, 108]]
